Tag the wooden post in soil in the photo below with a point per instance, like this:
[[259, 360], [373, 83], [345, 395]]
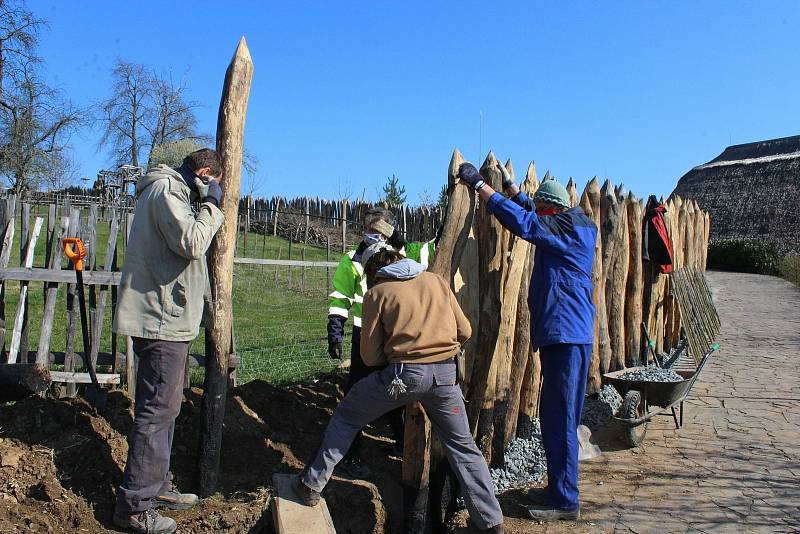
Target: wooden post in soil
[[491, 256], [590, 196], [522, 334], [707, 225], [615, 261], [605, 235], [572, 190], [633, 289], [230, 137], [515, 268], [677, 262], [422, 455]]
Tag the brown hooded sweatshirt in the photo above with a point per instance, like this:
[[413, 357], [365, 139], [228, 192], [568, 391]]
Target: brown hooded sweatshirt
[[411, 319]]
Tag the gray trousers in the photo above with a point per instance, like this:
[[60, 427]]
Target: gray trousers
[[159, 392], [433, 385]]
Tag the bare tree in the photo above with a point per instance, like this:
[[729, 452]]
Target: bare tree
[[126, 113], [36, 120], [19, 36], [173, 117]]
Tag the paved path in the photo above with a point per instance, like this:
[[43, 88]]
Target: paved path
[[735, 465]]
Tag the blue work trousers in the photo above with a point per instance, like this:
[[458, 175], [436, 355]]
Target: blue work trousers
[[564, 370]]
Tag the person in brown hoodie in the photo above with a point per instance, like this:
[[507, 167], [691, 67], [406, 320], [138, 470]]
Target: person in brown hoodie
[[412, 321]]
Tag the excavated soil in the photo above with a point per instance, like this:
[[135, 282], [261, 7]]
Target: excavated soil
[[60, 462]]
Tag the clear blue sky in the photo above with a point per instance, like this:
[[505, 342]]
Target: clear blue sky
[[352, 92]]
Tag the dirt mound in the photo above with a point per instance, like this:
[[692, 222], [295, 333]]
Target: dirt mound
[[60, 462]]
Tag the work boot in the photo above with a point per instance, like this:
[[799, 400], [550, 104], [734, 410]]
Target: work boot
[[497, 529], [147, 522], [307, 496], [551, 513], [353, 468], [537, 495], [175, 500]]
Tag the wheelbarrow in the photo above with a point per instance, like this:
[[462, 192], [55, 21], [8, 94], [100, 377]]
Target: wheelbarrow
[[643, 400]]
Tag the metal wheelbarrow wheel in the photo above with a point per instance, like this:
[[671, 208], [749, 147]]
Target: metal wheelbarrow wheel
[[633, 408]]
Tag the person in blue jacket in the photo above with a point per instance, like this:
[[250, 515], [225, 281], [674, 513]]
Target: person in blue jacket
[[562, 320]]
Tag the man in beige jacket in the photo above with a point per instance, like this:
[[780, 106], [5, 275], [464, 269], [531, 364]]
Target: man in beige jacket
[[160, 305], [412, 322]]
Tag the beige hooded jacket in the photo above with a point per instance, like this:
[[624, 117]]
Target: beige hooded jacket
[[164, 275]]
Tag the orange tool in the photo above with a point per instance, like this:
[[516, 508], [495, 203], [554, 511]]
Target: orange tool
[[76, 252]]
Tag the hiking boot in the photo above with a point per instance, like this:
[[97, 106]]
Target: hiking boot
[[537, 495], [353, 468], [175, 500], [307, 496], [550, 513], [147, 522]]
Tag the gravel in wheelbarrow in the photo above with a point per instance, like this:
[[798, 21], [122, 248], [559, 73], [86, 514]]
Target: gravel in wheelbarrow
[[652, 374]]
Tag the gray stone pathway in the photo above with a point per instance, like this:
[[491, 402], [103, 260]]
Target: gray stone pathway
[[735, 464]]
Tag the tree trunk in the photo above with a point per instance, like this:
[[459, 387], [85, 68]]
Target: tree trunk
[[230, 140]]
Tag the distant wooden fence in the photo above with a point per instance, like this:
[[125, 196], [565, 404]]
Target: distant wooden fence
[[313, 220], [302, 218], [101, 279]]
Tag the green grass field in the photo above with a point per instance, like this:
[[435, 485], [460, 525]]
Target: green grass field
[[280, 313]]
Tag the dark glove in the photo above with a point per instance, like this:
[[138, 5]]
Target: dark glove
[[335, 350], [335, 335], [396, 240], [468, 174], [209, 191], [508, 181]]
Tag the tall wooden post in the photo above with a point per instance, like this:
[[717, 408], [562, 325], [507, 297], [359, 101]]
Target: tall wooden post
[[590, 202], [633, 292], [230, 140], [417, 460], [491, 259]]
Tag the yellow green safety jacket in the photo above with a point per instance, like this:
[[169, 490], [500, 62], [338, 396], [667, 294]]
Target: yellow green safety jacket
[[350, 284]]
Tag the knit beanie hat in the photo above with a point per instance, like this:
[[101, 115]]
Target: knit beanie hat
[[553, 192]]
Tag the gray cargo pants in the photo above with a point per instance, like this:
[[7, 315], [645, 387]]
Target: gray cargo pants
[[433, 385], [159, 392]]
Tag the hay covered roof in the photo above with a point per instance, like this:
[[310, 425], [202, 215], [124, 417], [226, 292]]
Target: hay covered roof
[[751, 190]]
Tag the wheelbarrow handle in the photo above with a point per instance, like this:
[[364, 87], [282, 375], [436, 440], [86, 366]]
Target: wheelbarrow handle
[[76, 254]]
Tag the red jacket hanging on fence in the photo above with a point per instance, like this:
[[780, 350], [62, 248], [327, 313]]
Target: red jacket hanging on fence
[[656, 243]]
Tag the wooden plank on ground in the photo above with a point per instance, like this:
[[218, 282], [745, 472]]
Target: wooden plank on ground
[[292, 517], [16, 336], [83, 378]]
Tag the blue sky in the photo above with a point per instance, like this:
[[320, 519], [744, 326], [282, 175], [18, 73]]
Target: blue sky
[[348, 93]]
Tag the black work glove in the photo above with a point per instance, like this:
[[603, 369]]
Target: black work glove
[[209, 191], [468, 174], [396, 240], [335, 350]]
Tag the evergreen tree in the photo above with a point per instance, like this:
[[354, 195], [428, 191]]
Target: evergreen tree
[[393, 194]]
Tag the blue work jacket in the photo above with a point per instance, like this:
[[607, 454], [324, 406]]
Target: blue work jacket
[[560, 295]]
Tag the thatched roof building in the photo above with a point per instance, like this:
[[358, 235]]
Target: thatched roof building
[[751, 190]]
